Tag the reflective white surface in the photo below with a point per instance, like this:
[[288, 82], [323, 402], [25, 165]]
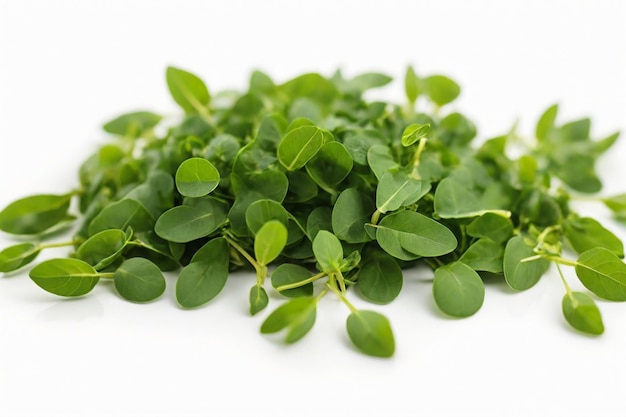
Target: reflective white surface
[[68, 66]]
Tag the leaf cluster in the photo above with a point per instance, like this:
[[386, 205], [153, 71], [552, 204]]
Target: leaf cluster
[[309, 184]]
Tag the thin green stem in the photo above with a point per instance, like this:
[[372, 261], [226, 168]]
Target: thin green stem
[[56, 245], [567, 288], [418, 153], [107, 275], [343, 298], [261, 274], [243, 252], [301, 283], [559, 260], [340, 280]]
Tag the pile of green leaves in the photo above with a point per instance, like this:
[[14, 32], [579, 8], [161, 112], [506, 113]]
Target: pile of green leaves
[[310, 185]]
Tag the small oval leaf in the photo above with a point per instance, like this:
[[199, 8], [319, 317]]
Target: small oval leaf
[[371, 333], [65, 277], [603, 273], [139, 280], [458, 290], [196, 177], [522, 275], [270, 241], [582, 313], [16, 256]]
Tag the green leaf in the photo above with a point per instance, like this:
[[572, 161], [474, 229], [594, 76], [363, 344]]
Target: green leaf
[[603, 273], [579, 173], [155, 194], [139, 280], [185, 223], [258, 299], [297, 315], [286, 274], [121, 215], [328, 251], [458, 290], [484, 255], [312, 86], [582, 313], [454, 200], [330, 166], [411, 85], [585, 233], [456, 130], [380, 278], [301, 144], [35, 214], [522, 275], [302, 188], [371, 333], [407, 235], [188, 90], [133, 124], [65, 277], [491, 226], [380, 160], [263, 211], [616, 203], [358, 142], [103, 248], [414, 132], [367, 81], [205, 277], [546, 123], [271, 185], [398, 189], [196, 177], [351, 211], [16, 256], [319, 219], [441, 90], [270, 241]]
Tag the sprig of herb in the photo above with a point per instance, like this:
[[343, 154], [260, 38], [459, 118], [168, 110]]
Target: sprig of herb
[[324, 192]]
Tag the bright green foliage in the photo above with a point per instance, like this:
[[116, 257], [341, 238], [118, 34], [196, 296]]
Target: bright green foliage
[[132, 125], [286, 274], [270, 241], [309, 184], [139, 280], [187, 90], [297, 316], [196, 177], [328, 251], [602, 273], [414, 132], [16, 256], [205, 276], [258, 299], [65, 277], [585, 233], [35, 214], [371, 333], [299, 145], [103, 248], [458, 289], [408, 235], [399, 189], [582, 313], [519, 273], [380, 278]]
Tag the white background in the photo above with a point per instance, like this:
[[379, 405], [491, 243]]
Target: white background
[[67, 66]]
